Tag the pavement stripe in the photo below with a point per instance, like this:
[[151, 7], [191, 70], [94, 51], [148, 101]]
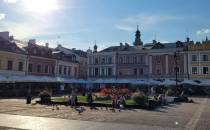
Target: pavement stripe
[[196, 117]]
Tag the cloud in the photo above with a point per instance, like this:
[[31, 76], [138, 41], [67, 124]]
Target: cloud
[[27, 29], [144, 20], [10, 1], [203, 32], [2, 16]]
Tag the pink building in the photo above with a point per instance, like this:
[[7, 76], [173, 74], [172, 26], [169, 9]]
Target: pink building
[[166, 59]]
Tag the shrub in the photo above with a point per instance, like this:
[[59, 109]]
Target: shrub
[[45, 96], [169, 92], [103, 98], [140, 99]]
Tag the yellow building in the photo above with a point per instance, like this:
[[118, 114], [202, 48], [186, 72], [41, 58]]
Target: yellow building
[[199, 60], [12, 58]]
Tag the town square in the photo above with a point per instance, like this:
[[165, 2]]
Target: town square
[[109, 65]]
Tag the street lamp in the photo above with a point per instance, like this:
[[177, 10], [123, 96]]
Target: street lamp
[[176, 55]]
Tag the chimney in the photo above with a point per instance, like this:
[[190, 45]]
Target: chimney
[[154, 41], [47, 45], [59, 45], [126, 44], [32, 41], [4, 35], [121, 44]]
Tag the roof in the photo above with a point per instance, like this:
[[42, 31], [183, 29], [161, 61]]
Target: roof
[[65, 57], [11, 46], [147, 46], [79, 52], [74, 51], [40, 51], [119, 48]]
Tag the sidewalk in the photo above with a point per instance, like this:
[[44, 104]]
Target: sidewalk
[[43, 123]]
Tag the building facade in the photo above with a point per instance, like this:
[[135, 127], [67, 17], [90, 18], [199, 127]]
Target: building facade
[[198, 60], [12, 58], [66, 65], [102, 65], [149, 61], [81, 58], [167, 60], [41, 61]]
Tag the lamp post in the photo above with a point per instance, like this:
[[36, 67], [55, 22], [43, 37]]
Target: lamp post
[[176, 55]]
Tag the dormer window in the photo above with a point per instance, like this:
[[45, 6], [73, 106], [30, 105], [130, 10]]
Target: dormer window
[[34, 51], [42, 52]]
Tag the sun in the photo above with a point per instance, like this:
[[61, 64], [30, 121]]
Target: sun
[[40, 6]]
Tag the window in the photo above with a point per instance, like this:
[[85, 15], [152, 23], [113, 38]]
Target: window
[[110, 60], [60, 69], [109, 71], [46, 69], [103, 60], [9, 65], [96, 60], [205, 70], [75, 71], [90, 60], [121, 60], [20, 66], [102, 72], [194, 57], [158, 72], [141, 71], [134, 59], [64, 70], [34, 52], [176, 69], [0, 64], [205, 57], [141, 59], [90, 71], [39, 68], [127, 60], [135, 71], [69, 71], [157, 59], [96, 71], [30, 67], [194, 70], [53, 69]]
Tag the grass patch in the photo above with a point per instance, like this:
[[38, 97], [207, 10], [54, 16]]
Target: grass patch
[[82, 99]]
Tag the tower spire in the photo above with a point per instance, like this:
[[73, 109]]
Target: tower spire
[[207, 38], [137, 41]]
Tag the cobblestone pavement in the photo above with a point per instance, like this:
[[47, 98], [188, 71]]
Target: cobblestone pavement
[[175, 116]]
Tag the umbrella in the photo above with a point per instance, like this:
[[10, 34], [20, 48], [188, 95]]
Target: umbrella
[[3, 79], [189, 82], [205, 82], [168, 82]]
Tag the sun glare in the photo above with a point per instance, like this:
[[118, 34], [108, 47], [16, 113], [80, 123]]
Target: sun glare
[[40, 6]]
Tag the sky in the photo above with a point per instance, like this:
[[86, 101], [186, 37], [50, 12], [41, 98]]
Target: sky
[[82, 23]]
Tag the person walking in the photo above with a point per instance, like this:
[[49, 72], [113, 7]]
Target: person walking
[[73, 97], [28, 98], [90, 99]]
